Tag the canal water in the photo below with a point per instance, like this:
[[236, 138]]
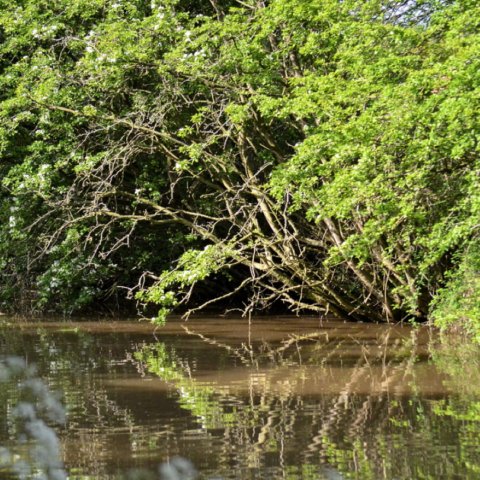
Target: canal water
[[285, 397]]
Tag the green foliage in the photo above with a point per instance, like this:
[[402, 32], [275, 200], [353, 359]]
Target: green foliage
[[326, 151], [457, 306], [193, 266]]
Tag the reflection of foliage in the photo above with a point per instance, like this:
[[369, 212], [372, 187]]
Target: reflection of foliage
[[460, 360], [198, 398], [362, 437], [255, 424], [323, 408], [36, 454], [67, 361]]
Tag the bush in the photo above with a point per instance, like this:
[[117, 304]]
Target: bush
[[457, 306]]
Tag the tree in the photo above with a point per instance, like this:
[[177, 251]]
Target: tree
[[318, 153]]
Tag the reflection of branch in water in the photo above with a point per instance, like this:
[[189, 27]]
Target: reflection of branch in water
[[267, 417], [342, 400], [263, 420], [275, 354], [390, 374], [362, 370], [298, 338], [95, 420], [233, 351]]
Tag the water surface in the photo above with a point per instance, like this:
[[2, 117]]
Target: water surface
[[272, 398]]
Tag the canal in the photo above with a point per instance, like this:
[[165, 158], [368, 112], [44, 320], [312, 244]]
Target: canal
[[281, 397]]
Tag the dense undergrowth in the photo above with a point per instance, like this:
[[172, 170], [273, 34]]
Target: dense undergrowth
[[320, 155]]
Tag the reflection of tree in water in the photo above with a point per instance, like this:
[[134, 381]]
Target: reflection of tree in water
[[460, 360], [313, 406], [267, 422], [95, 420]]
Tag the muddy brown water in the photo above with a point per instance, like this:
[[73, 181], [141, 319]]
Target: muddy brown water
[[282, 397]]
